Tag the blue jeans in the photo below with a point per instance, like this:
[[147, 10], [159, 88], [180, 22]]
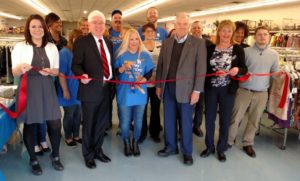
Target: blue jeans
[[71, 121], [127, 114]]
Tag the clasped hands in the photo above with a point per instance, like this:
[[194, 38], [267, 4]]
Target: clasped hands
[[232, 72]]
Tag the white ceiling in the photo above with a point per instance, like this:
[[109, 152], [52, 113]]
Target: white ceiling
[[72, 10]]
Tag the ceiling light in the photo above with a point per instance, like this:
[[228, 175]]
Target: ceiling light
[[7, 15], [231, 8], [38, 6], [142, 6], [85, 12]]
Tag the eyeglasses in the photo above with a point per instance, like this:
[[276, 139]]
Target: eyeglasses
[[97, 23], [149, 31]]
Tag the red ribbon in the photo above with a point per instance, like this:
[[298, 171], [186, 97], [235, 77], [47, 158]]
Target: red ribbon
[[23, 86], [22, 99]]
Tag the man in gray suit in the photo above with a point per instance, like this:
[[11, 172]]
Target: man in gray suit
[[184, 58]]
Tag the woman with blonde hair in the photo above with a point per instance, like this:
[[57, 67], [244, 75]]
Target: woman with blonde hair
[[83, 25], [227, 59], [133, 64]]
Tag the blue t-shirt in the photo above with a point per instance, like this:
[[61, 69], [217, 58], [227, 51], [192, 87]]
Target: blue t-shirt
[[141, 65], [116, 39], [65, 63], [161, 34], [2, 178]]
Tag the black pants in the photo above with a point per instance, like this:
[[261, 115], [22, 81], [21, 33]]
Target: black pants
[[54, 133], [112, 96], [154, 126], [95, 121], [218, 97], [199, 112]]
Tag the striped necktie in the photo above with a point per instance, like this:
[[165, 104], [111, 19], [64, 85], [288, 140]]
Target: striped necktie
[[104, 60]]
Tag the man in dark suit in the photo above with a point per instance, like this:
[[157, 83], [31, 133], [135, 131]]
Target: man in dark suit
[[93, 58], [183, 56]]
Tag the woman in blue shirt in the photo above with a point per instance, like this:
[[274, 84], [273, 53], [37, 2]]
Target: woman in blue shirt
[[133, 64], [67, 93]]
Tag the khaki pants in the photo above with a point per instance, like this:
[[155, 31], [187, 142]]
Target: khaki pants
[[255, 103]]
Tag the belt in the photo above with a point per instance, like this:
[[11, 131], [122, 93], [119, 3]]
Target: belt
[[250, 90]]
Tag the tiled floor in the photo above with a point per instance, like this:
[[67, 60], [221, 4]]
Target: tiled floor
[[271, 163]]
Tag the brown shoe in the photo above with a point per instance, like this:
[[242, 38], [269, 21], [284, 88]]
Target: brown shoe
[[249, 151]]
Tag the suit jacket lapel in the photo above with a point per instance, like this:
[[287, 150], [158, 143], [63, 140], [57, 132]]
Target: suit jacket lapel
[[95, 47], [185, 50]]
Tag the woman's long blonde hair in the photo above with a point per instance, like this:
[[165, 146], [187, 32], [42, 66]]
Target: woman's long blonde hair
[[125, 44]]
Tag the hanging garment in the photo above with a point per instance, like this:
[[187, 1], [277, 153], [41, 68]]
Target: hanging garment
[[278, 103]]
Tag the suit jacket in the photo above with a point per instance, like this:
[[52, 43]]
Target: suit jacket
[[86, 60], [192, 63], [239, 61]]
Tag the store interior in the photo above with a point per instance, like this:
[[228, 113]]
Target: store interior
[[278, 147]]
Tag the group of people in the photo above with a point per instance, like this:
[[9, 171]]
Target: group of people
[[141, 60]]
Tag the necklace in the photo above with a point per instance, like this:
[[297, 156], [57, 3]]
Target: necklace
[[41, 56]]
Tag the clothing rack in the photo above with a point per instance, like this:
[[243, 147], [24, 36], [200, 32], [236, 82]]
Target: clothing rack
[[9, 42], [290, 60]]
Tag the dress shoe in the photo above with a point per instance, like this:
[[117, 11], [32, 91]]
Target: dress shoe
[[103, 158], [90, 164], [39, 153], [56, 164], [71, 143], [188, 160], [156, 139], [249, 151], [197, 131], [46, 149], [127, 147], [221, 157], [165, 152], [36, 168], [228, 146], [206, 153], [142, 139], [135, 148], [119, 133], [78, 140]]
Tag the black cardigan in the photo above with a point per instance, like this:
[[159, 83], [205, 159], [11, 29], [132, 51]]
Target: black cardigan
[[239, 62]]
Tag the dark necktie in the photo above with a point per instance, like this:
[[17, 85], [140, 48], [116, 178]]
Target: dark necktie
[[104, 60]]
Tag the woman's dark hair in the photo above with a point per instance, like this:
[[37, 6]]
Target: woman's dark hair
[[242, 25], [51, 18], [148, 25], [27, 34]]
